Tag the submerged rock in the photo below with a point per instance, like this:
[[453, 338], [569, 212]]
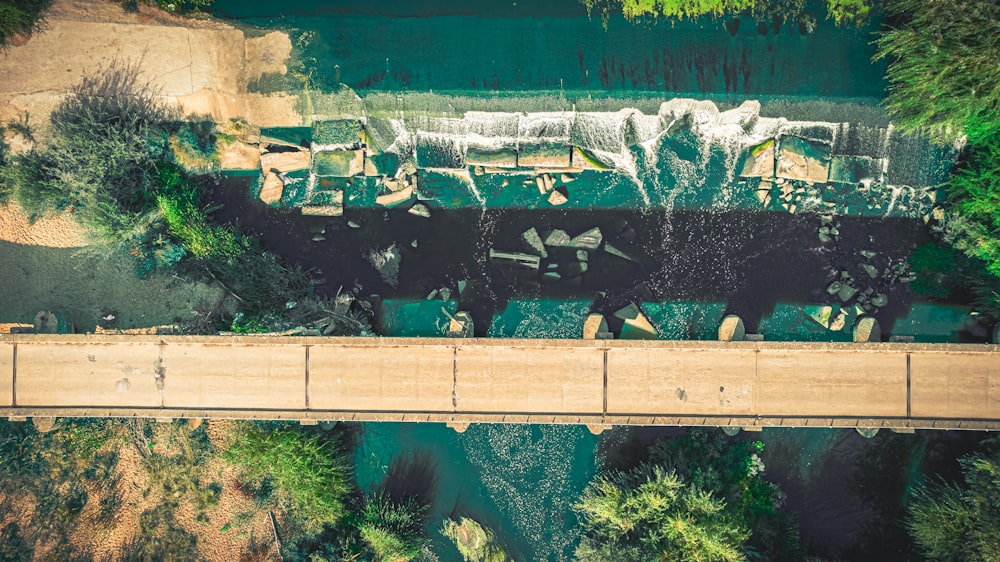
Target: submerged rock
[[870, 269], [589, 240], [557, 238], [534, 242], [420, 210]]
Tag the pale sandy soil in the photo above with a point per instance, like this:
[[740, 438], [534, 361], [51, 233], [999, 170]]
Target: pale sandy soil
[[46, 266]]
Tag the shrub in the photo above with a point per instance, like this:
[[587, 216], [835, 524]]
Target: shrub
[[650, 514], [960, 521], [944, 66], [20, 16], [393, 529], [310, 476]]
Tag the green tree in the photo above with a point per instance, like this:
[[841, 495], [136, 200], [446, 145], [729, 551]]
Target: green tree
[[960, 522], [944, 66], [650, 514]]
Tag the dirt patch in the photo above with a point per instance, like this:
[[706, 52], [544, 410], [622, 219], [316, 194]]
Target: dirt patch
[[59, 231]]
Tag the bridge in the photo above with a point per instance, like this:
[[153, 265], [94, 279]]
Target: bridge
[[750, 384]]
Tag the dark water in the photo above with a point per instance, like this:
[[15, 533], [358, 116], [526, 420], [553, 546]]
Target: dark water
[[553, 45]]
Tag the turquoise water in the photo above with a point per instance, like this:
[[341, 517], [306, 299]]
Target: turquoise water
[[519, 480], [554, 46]]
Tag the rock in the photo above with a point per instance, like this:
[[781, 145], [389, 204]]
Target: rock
[[558, 197], [478, 170], [867, 432], [420, 210], [731, 328], [461, 325], [273, 188], [576, 268], [820, 314], [444, 294], [526, 261], [880, 300], [838, 322], [340, 163], [867, 254], [870, 269], [551, 276], [534, 242], [637, 326], [414, 243], [589, 240], [867, 330], [238, 155], [353, 224], [542, 187], [846, 293], [431, 295], [396, 198], [594, 325], [825, 238], [801, 159], [834, 288], [557, 238], [567, 177], [286, 161], [582, 255], [46, 322]]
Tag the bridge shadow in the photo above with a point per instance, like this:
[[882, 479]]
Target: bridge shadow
[[748, 260]]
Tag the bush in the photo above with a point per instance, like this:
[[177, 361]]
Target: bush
[[310, 476], [960, 522], [650, 514], [20, 16], [843, 12], [944, 66], [393, 529]]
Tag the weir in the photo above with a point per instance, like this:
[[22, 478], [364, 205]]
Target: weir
[[750, 384]]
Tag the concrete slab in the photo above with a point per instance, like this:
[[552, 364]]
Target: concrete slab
[[954, 385], [547, 380], [6, 374], [87, 374], [234, 376], [381, 378], [831, 383], [678, 381]]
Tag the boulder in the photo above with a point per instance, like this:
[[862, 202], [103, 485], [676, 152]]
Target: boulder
[[558, 197], [594, 325], [534, 242], [589, 240], [286, 161], [238, 155], [867, 330], [273, 188], [420, 210], [636, 326], [732, 328], [557, 238], [846, 293]]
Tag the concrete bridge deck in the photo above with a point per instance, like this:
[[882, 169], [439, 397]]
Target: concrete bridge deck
[[746, 384]]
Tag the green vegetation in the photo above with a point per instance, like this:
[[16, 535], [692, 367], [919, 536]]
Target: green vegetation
[[697, 497], [843, 12], [474, 542], [310, 477], [944, 67], [961, 522], [20, 16], [180, 6], [393, 528], [110, 158]]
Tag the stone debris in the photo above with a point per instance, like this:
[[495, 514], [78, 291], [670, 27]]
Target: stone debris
[[557, 238], [526, 261], [558, 197], [272, 190], [594, 325], [731, 328], [286, 161], [636, 326], [589, 240], [534, 242], [420, 210]]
